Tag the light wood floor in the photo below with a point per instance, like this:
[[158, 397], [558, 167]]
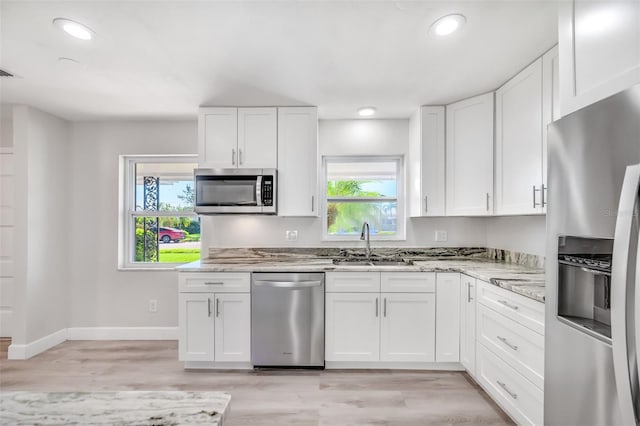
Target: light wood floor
[[276, 397]]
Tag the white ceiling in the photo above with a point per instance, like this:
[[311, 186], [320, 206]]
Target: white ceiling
[[162, 59]]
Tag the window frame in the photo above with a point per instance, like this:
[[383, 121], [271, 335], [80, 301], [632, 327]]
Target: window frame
[[128, 213], [400, 197]]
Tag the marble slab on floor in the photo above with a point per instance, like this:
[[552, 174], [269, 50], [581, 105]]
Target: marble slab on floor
[[142, 408]]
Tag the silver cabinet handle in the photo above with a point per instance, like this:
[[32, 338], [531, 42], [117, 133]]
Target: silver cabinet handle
[[377, 302], [507, 390], [313, 203], [385, 307], [209, 307], [214, 283], [509, 305], [217, 307], [471, 286], [240, 156], [468, 292], [544, 188], [426, 204], [487, 201], [233, 156], [535, 203], [506, 342]]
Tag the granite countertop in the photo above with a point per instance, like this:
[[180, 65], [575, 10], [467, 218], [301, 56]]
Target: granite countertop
[[138, 408], [524, 280]]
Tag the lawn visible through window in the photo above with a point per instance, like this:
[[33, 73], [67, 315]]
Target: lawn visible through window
[[162, 227]]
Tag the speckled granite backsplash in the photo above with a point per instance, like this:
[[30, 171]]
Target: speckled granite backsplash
[[272, 254]]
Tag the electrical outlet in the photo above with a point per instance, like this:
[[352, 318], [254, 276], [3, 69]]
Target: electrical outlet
[[291, 235], [153, 305], [441, 236]]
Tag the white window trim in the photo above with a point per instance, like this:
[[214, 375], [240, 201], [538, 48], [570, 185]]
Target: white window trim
[[400, 220], [126, 200]]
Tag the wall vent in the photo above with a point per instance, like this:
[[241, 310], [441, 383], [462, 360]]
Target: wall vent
[[4, 73]]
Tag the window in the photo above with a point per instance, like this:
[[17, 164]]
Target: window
[[363, 189], [158, 226]]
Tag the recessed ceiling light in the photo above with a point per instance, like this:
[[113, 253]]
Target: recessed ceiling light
[[448, 24], [366, 111], [74, 29]]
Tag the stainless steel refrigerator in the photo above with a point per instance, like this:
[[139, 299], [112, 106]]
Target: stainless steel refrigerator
[[592, 332]]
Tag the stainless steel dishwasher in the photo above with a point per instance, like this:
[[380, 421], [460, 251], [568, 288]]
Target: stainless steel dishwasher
[[287, 320]]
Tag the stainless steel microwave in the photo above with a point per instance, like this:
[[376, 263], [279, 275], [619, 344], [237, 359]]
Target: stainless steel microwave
[[235, 191]]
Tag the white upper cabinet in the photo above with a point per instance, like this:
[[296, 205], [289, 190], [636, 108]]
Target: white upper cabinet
[[257, 138], [427, 162], [298, 161], [237, 137], [218, 137], [550, 108], [469, 152], [599, 50], [519, 143]]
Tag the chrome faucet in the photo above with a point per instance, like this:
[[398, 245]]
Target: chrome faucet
[[367, 251]]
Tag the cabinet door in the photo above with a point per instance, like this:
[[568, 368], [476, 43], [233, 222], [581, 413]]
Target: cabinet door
[[298, 161], [519, 143], [218, 137], [196, 327], [407, 329], [448, 317], [468, 323], [257, 138], [469, 151], [550, 108], [352, 327], [233, 327], [427, 162], [599, 50]]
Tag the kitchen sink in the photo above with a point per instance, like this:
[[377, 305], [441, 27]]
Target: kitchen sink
[[374, 262]]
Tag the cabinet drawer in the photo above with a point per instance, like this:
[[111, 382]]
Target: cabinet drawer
[[408, 282], [521, 348], [222, 282], [525, 311], [352, 282], [520, 398]]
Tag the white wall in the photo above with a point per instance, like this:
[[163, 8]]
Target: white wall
[[525, 234], [102, 295], [343, 137], [41, 154]]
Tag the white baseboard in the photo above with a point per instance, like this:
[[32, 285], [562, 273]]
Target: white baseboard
[[38, 346], [122, 333], [386, 365]]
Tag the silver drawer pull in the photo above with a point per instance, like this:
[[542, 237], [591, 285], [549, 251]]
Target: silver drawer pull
[[507, 390], [209, 307], [506, 342], [214, 283], [509, 305]]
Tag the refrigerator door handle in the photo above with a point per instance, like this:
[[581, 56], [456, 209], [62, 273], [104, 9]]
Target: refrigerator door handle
[[622, 310]]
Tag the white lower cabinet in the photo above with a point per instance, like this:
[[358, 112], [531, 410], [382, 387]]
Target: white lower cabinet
[[214, 325], [468, 323], [510, 352], [232, 327], [520, 398], [196, 327], [448, 317], [407, 327], [390, 326], [352, 327]]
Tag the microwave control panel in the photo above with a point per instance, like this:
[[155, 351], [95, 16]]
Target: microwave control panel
[[267, 190]]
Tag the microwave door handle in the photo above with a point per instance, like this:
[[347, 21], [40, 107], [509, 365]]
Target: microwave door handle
[[259, 191], [622, 317]]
